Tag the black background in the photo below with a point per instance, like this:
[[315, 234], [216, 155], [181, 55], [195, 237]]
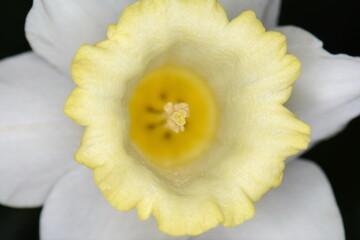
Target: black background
[[336, 23]]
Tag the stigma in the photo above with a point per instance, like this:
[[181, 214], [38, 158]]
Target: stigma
[[176, 114]]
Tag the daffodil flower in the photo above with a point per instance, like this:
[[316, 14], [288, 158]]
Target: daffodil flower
[[184, 121]]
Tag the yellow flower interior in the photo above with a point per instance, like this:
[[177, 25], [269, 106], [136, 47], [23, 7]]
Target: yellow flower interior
[[159, 145]]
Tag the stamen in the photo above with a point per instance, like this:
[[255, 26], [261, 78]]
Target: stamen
[[176, 114]]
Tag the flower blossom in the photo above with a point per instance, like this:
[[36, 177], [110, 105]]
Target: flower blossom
[[42, 139]]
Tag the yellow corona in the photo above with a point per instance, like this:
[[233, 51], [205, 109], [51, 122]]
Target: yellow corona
[[184, 113]]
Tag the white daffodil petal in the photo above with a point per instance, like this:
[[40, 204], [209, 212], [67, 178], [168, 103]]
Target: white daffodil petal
[[57, 28], [267, 11], [303, 207], [37, 141], [327, 94], [76, 209]]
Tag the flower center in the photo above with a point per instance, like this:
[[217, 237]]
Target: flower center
[[161, 127], [176, 115]]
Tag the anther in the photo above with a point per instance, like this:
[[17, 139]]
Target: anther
[[176, 114]]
